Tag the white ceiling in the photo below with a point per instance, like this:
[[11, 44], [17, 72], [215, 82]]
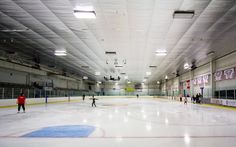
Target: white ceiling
[[135, 29]]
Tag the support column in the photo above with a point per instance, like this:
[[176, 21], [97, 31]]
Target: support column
[[3, 93], [166, 89], [191, 72], [212, 79]]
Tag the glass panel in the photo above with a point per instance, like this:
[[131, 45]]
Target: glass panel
[[216, 94], [230, 94], [222, 94]]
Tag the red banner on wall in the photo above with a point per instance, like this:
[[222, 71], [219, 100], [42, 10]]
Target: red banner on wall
[[188, 84]]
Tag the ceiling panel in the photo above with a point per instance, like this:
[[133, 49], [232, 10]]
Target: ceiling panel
[[134, 29]]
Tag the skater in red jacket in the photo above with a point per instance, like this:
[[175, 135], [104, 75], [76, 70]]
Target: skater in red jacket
[[21, 102]]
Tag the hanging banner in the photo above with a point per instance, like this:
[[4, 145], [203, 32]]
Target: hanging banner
[[181, 85], [201, 80], [226, 74], [188, 84]]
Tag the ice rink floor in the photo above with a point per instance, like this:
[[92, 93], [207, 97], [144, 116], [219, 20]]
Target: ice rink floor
[[116, 122]]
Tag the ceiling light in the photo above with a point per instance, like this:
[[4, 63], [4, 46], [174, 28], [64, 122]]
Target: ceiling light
[[85, 78], [85, 66], [126, 77], [183, 14], [158, 82], [110, 52], [118, 66], [166, 77], [186, 66], [161, 52], [210, 53], [152, 66], [97, 73], [84, 12], [148, 73], [14, 30], [60, 53], [99, 82]]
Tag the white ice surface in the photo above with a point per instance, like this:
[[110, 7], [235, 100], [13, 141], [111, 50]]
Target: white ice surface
[[127, 122]]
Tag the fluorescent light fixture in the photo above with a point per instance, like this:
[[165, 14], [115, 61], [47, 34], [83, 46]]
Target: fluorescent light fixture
[[152, 66], [211, 53], [97, 73], [186, 66], [181, 14], [161, 52], [118, 66], [85, 66], [14, 30], [110, 52], [85, 78], [148, 73], [86, 12], [60, 53]]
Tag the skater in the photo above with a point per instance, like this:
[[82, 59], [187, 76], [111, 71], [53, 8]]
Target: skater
[[83, 97], [94, 101], [137, 95], [21, 102], [185, 100]]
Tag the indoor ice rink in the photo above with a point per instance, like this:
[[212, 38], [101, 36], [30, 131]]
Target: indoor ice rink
[[122, 73]]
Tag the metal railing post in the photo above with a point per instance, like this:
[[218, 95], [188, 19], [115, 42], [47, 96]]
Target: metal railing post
[[12, 93], [3, 93], [28, 93]]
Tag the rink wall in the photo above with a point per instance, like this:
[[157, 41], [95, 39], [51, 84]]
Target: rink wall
[[32, 101], [12, 102], [219, 88]]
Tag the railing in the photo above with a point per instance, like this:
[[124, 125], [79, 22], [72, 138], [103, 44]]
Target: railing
[[13, 93]]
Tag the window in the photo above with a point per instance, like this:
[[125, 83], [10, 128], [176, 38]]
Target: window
[[222, 94], [216, 94], [230, 94]]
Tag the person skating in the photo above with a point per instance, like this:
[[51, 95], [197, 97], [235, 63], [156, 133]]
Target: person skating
[[83, 97], [185, 100], [94, 101], [21, 102]]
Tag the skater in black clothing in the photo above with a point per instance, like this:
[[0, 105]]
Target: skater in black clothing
[[94, 101], [83, 97], [185, 100]]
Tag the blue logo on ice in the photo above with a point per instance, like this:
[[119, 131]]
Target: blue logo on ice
[[63, 131]]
